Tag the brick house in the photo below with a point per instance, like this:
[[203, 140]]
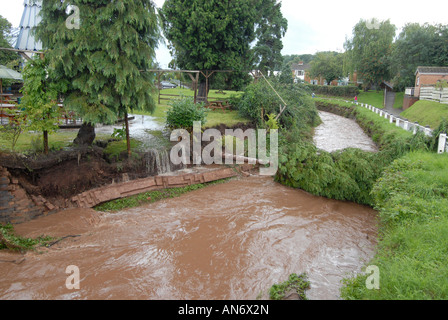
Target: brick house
[[425, 79], [426, 76]]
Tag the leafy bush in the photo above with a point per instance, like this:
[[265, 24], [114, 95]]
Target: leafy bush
[[336, 91], [350, 174], [259, 101], [184, 112], [296, 283]]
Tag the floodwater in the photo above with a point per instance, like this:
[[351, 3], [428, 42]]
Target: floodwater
[[228, 241], [338, 133]]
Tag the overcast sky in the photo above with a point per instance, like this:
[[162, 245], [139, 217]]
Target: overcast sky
[[315, 25]]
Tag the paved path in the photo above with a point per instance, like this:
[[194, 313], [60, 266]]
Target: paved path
[[390, 100]]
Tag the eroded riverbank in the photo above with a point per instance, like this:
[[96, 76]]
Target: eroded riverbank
[[228, 241]]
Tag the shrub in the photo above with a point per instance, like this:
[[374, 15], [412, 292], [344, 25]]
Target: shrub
[[259, 101], [184, 112], [336, 91]]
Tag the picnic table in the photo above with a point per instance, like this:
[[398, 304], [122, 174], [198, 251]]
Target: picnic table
[[3, 111], [218, 104]]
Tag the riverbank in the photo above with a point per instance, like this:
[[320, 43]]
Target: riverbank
[[410, 195]]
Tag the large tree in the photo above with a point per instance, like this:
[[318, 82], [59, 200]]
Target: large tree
[[270, 30], [369, 50], [418, 45], [217, 35], [7, 58], [105, 58], [328, 65]]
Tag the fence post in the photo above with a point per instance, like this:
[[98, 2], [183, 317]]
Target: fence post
[[442, 143], [406, 125], [416, 127], [391, 119], [398, 122]]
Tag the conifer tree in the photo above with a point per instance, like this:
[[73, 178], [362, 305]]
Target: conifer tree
[[103, 48]]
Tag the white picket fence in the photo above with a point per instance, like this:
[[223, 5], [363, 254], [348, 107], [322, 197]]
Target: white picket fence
[[414, 127]]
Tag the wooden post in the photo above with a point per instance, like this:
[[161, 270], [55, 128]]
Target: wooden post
[[442, 143], [128, 139]]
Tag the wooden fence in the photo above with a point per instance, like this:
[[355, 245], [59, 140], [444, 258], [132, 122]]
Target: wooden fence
[[434, 94]]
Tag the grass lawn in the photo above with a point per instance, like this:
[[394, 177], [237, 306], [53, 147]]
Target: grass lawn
[[427, 113], [214, 117], [372, 98], [399, 96], [32, 141]]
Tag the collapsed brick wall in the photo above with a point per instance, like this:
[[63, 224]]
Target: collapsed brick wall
[[16, 206]]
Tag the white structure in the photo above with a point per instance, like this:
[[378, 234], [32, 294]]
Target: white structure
[[30, 19]]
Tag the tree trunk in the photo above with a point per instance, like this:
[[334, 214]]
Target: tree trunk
[[45, 142], [202, 92], [128, 139], [86, 135]]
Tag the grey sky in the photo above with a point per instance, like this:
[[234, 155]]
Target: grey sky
[[315, 25]]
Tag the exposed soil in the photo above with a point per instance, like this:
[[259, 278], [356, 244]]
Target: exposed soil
[[62, 174]]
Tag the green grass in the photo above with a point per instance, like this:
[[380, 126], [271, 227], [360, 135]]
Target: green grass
[[296, 283], [399, 97], [151, 197], [373, 98], [412, 200], [427, 113], [214, 117], [17, 243]]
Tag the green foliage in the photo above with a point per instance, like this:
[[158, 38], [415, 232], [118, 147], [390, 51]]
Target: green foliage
[[184, 112], [411, 197], [259, 100], [328, 65], [418, 45], [427, 113], [339, 91], [150, 197], [217, 35], [368, 51], [12, 131], [14, 242], [350, 174], [296, 283], [119, 133], [271, 29], [5, 35], [40, 98], [103, 60]]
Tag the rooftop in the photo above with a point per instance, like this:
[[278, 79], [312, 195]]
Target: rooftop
[[30, 19], [432, 70]]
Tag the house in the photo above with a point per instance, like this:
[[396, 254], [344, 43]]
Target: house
[[428, 76], [299, 71], [426, 79]]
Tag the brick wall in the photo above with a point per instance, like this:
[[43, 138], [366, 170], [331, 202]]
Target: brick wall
[[15, 204], [427, 79]]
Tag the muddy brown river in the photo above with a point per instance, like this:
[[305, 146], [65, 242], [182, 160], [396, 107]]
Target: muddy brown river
[[228, 241]]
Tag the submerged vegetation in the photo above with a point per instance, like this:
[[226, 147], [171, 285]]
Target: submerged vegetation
[[295, 284], [9, 240]]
